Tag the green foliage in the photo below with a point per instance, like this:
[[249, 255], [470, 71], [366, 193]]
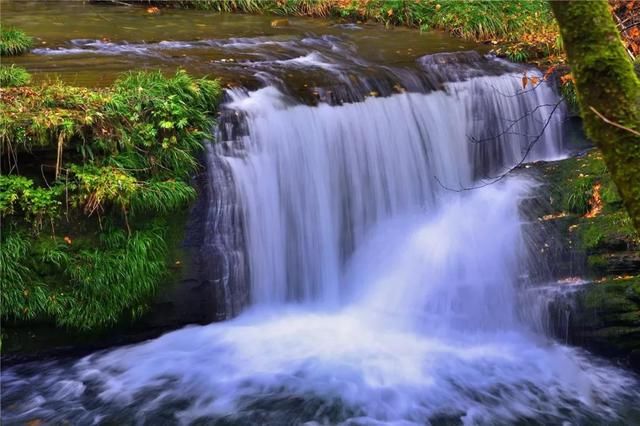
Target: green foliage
[[574, 181], [568, 91], [145, 130], [13, 76], [516, 54], [481, 20], [121, 275], [600, 228], [124, 156], [162, 197], [167, 118], [577, 200], [34, 204], [14, 42], [81, 288]]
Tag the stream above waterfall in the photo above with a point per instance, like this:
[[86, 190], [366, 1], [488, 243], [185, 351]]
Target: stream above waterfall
[[381, 288]]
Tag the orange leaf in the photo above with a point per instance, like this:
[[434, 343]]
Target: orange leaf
[[566, 78], [534, 80], [525, 79], [548, 72]]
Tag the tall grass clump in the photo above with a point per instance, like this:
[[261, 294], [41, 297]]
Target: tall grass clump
[[87, 233], [14, 42], [83, 288], [13, 76]]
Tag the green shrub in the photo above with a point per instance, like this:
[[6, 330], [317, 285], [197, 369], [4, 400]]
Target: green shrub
[[13, 76], [14, 42]]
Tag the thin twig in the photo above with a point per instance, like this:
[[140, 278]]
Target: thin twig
[[513, 123], [613, 123]]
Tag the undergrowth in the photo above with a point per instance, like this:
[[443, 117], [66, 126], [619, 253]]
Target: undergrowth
[[80, 166]]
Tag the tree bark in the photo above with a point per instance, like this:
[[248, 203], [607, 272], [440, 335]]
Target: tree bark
[[608, 91]]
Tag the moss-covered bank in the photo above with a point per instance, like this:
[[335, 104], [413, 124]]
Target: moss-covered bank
[[91, 181], [587, 216]]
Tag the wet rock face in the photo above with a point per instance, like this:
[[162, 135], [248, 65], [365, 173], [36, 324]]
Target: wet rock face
[[580, 234], [213, 284]]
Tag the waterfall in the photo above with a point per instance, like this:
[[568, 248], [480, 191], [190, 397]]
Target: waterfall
[[313, 181], [383, 289]]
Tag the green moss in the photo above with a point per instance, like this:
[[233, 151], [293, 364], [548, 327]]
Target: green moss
[[612, 297], [601, 232], [14, 42], [13, 76], [112, 169], [597, 262]]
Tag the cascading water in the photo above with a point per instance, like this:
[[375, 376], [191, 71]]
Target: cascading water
[[378, 295]]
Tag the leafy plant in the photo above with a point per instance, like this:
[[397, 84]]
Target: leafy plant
[[18, 195]]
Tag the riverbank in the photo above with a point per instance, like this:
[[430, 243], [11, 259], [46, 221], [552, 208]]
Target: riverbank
[[94, 186]]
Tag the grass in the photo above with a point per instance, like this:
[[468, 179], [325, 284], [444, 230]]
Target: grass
[[84, 287], [14, 42], [13, 76], [84, 220]]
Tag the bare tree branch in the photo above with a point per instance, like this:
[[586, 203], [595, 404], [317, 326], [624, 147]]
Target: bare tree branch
[[522, 160], [613, 123]]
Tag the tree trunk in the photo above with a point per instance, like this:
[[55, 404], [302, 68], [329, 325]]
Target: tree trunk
[[608, 91]]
